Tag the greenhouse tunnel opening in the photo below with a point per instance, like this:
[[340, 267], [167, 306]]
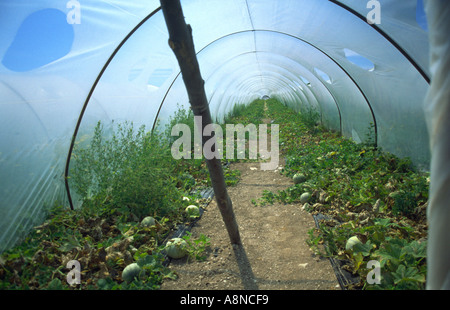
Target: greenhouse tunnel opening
[[259, 50]]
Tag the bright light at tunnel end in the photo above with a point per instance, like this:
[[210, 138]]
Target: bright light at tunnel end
[[213, 147]]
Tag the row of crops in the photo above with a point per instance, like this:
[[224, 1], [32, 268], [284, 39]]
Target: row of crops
[[125, 177], [369, 205]]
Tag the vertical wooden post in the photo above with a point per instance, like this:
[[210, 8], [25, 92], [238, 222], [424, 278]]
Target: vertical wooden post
[[182, 44]]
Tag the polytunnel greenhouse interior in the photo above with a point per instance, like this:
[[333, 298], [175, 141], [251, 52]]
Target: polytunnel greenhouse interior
[[72, 71]]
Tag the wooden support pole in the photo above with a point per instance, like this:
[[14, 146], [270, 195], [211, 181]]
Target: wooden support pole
[[182, 44]]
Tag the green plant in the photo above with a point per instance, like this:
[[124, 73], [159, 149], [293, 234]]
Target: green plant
[[310, 117], [124, 174], [267, 198], [149, 274], [196, 247], [315, 240], [237, 111], [247, 115], [404, 202], [127, 171], [370, 140], [181, 116], [366, 193], [252, 113], [232, 177], [402, 264]]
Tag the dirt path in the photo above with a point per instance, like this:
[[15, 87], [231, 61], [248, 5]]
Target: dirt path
[[274, 255]]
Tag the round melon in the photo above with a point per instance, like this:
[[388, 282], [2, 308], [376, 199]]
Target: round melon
[[131, 272], [305, 197], [148, 221], [351, 242], [176, 248], [299, 178], [192, 211]]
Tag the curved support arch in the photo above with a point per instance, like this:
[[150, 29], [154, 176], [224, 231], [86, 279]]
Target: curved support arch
[[272, 82], [33, 111], [305, 42], [387, 37], [347, 74], [66, 173], [289, 75]]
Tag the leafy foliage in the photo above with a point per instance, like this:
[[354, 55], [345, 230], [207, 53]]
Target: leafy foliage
[[196, 247], [252, 113], [127, 172]]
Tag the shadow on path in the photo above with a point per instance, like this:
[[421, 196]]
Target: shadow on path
[[247, 277]]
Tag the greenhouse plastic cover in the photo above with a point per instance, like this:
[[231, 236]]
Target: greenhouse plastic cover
[[65, 65], [438, 112]]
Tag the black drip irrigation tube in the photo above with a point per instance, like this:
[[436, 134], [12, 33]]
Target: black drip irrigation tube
[[182, 229], [344, 277]]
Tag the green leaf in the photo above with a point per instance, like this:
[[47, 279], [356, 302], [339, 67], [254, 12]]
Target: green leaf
[[147, 261], [72, 243], [390, 252], [386, 222], [105, 284], [407, 274], [416, 249], [55, 284], [363, 248], [13, 256], [358, 259]]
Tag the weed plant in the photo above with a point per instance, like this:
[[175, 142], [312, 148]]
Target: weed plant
[[196, 247], [126, 173]]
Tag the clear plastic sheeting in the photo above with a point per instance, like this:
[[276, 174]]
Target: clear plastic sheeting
[[44, 86], [65, 65], [404, 22], [438, 113]]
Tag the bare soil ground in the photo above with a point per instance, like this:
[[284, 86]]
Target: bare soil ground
[[274, 255]]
